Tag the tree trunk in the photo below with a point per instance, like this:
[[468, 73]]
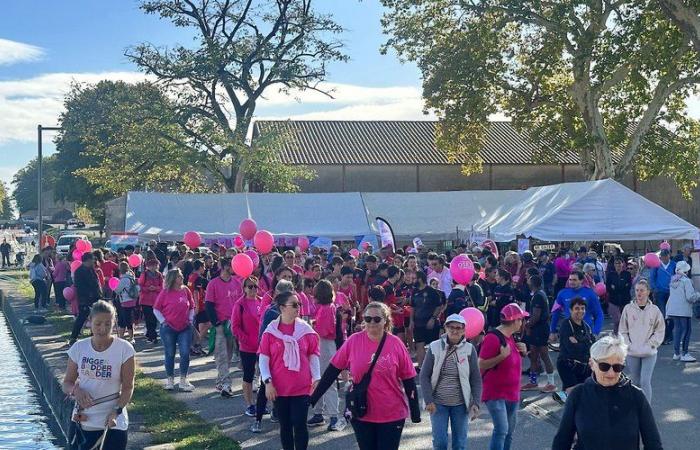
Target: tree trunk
[[602, 158], [686, 19]]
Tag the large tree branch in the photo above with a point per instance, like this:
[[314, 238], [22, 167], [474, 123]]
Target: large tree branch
[[686, 19]]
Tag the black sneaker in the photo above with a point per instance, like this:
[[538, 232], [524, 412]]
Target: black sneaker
[[316, 420], [273, 416], [250, 411]]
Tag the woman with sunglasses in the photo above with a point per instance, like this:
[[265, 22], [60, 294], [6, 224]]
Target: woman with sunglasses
[[587, 414], [392, 380], [245, 324], [290, 369]]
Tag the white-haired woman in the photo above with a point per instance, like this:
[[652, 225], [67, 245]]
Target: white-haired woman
[[642, 326], [679, 309], [587, 414]]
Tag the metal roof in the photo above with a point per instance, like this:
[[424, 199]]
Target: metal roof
[[321, 142]]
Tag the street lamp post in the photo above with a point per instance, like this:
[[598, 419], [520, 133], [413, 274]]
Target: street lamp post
[[40, 211]]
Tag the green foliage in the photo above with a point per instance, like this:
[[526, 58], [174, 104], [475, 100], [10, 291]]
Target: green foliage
[[266, 174], [5, 206], [605, 80], [25, 182]]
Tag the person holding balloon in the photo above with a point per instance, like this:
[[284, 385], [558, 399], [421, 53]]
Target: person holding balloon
[[618, 285], [87, 291], [127, 292], [663, 269], [451, 384], [151, 283], [61, 271]]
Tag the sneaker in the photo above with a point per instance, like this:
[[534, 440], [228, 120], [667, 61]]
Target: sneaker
[[676, 357], [256, 427], [529, 387], [316, 420], [688, 358], [250, 411], [226, 392], [273, 416], [186, 386], [548, 388], [169, 384], [336, 424], [267, 411], [219, 387], [560, 397]]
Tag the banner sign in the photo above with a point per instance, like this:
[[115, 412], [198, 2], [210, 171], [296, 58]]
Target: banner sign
[[386, 234], [523, 245], [478, 237], [417, 242]]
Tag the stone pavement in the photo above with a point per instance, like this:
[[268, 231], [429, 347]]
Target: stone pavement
[[676, 403]]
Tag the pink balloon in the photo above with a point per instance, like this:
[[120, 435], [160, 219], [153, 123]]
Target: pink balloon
[[462, 269], [264, 241], [303, 243], [354, 252], [238, 242], [77, 254], [600, 289], [664, 246], [242, 265], [192, 239], [134, 260], [83, 246], [74, 265], [113, 282], [69, 293], [652, 260], [365, 245], [247, 228], [253, 257], [475, 322], [516, 278]]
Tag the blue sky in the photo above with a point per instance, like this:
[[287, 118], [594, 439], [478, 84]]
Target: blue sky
[[44, 45]]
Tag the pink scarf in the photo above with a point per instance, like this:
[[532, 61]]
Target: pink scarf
[[291, 358]]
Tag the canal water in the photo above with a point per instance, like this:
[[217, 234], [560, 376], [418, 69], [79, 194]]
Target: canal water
[[24, 424]]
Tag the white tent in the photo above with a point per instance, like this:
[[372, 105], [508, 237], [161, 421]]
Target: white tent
[[169, 216]]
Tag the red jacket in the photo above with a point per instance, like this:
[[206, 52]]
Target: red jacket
[[146, 281]]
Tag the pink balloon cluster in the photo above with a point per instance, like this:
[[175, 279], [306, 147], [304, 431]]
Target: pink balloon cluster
[[248, 228], [74, 265], [83, 246], [253, 257]]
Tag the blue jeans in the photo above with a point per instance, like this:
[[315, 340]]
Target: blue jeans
[[681, 334], [503, 414], [183, 339], [660, 300], [458, 418]]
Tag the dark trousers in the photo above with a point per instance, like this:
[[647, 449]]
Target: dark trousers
[[83, 314], [5, 259], [41, 293], [378, 436], [151, 322], [660, 300], [261, 403], [292, 412], [115, 439], [58, 287]]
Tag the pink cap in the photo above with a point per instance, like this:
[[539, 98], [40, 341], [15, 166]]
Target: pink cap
[[513, 311]]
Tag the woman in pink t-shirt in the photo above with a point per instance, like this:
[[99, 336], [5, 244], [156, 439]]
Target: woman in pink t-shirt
[[500, 365], [392, 381], [289, 366], [174, 309], [245, 324]]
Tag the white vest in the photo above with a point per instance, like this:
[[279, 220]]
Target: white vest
[[464, 351]]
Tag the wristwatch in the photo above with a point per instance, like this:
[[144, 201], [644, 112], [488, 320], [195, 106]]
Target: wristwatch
[[267, 380], [118, 410]]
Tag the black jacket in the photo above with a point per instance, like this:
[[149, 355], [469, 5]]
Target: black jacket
[[619, 286], [580, 351], [607, 418], [86, 286]]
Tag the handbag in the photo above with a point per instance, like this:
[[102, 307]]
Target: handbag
[[356, 397]]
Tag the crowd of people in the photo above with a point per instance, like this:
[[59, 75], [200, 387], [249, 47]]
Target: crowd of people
[[309, 326]]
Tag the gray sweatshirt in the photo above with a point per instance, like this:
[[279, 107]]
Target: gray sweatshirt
[[426, 373]]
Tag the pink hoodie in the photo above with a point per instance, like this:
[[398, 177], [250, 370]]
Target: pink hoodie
[[245, 323]]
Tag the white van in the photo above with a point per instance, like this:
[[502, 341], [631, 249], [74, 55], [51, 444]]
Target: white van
[[64, 242]]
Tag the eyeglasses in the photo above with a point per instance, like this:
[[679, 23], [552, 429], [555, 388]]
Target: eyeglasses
[[293, 305], [604, 367], [252, 286], [454, 328], [375, 319]]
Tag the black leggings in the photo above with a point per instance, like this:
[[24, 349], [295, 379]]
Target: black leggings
[[292, 412], [83, 314], [248, 360], [58, 287], [378, 436], [151, 322], [41, 293], [115, 439]]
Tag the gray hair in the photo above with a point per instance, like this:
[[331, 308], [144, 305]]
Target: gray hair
[[588, 266], [608, 346], [284, 286]]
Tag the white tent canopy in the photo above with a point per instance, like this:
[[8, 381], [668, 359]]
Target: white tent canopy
[[591, 210]]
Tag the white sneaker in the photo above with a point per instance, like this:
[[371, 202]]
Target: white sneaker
[[676, 357], [688, 358], [169, 384], [185, 385]]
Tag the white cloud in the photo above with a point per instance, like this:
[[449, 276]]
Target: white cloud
[[12, 52]]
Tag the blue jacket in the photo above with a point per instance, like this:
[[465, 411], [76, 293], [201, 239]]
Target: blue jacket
[[272, 313], [594, 312], [660, 278]]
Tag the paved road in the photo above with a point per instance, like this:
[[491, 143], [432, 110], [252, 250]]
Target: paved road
[[676, 402]]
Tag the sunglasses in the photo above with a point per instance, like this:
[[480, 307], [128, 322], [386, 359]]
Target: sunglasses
[[604, 367], [252, 286], [293, 305], [375, 319], [454, 328]]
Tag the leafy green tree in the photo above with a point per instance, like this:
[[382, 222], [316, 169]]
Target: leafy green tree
[[243, 50], [25, 182], [5, 205], [605, 79], [686, 15]]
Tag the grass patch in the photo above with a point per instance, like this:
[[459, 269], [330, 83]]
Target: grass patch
[[169, 421]]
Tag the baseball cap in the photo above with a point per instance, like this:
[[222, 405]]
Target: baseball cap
[[582, 250], [664, 252], [513, 311], [527, 256], [455, 318]]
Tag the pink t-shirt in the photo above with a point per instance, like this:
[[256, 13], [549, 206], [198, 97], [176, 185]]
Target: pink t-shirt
[[386, 400], [175, 307], [308, 308], [289, 383], [503, 381], [342, 301], [223, 294], [245, 323], [60, 271], [324, 321]]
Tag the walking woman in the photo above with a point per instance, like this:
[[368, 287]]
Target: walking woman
[[100, 377], [289, 366], [451, 384], [679, 309], [174, 309], [607, 411], [39, 277], [642, 326], [618, 285], [151, 283], [245, 324], [500, 364], [127, 293], [390, 383]]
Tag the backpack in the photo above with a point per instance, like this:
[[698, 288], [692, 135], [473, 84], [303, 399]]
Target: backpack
[[134, 290]]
